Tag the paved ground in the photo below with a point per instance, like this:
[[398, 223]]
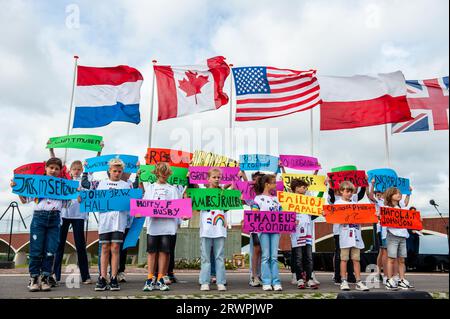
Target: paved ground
[[14, 286]]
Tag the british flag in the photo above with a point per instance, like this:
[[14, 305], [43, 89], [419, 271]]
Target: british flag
[[428, 101]]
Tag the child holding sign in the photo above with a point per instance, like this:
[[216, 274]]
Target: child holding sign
[[159, 229], [44, 232], [213, 232], [264, 201], [350, 241], [396, 242], [301, 242]]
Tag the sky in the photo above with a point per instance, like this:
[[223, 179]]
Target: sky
[[40, 38]]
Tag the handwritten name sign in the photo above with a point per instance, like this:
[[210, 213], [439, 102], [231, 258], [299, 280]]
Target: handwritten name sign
[[386, 178], [178, 208], [301, 204], [201, 158], [344, 168], [100, 163], [214, 198], [300, 162], [107, 200], [350, 214], [248, 191], [134, 232], [357, 178], [269, 222], [173, 157], [199, 174], [316, 182], [80, 141], [178, 177], [400, 218], [258, 162], [42, 186], [31, 169]]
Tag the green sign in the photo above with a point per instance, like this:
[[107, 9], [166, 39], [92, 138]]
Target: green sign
[[344, 168], [214, 198], [81, 141], [178, 177]]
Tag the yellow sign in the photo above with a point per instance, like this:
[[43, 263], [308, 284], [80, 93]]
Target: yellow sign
[[301, 204], [202, 158], [316, 182]]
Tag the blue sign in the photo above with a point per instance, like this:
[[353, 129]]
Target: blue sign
[[134, 232], [257, 162], [42, 186], [386, 178], [107, 200], [100, 163]]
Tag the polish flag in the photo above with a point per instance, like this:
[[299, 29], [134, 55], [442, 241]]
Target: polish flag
[[184, 90], [360, 100]]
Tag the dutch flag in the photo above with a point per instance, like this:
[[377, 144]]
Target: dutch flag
[[105, 95]]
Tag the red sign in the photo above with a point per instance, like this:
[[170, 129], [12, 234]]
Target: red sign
[[400, 218], [357, 178], [173, 157]]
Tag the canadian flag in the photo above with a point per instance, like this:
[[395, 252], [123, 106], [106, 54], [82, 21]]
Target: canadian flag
[[184, 90]]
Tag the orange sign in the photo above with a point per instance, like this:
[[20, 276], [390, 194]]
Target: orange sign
[[350, 214], [173, 157], [400, 218]]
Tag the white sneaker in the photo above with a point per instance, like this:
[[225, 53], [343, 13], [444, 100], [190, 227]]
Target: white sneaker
[[301, 284], [277, 288], [167, 280], [345, 286], [361, 286], [255, 282], [311, 284], [294, 279], [391, 284], [221, 287], [121, 277], [315, 279], [405, 285], [267, 287], [204, 287]]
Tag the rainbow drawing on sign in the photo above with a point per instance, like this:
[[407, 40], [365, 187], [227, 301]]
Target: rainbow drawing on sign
[[219, 218]]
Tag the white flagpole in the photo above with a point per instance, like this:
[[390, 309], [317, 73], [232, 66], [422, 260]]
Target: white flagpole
[[312, 130], [150, 129], [71, 101], [231, 113], [386, 142]]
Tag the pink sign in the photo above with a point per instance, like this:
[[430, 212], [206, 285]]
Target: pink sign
[[199, 174], [177, 208], [248, 193], [306, 163], [269, 222]]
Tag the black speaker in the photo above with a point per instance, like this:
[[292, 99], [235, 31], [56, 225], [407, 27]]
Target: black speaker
[[385, 295]]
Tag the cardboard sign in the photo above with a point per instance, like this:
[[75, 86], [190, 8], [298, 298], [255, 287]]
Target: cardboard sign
[[31, 169], [316, 182], [344, 168], [80, 141], [306, 163], [357, 178], [202, 158], [269, 222], [214, 198], [178, 177], [400, 218], [100, 163], [301, 204], [248, 192], [199, 174], [386, 178], [350, 214], [258, 162], [133, 233], [173, 157], [107, 200], [177, 208], [42, 186]]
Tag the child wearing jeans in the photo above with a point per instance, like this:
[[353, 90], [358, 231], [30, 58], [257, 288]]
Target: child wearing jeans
[[265, 201], [44, 232], [213, 232], [350, 241]]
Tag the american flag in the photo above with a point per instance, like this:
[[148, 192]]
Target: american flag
[[428, 101], [265, 92]]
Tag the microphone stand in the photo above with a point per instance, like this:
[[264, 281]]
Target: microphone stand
[[446, 227]]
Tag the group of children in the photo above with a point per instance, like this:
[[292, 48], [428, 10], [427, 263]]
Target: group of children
[[52, 218]]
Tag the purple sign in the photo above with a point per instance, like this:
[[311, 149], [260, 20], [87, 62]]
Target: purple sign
[[199, 174], [248, 193], [269, 222], [306, 163]]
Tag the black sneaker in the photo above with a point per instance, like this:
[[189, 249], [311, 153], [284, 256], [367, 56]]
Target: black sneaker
[[34, 284], [45, 283], [53, 282], [114, 284], [101, 285], [173, 279]]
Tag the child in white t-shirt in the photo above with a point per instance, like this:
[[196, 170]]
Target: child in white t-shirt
[[159, 229], [213, 232], [350, 241]]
